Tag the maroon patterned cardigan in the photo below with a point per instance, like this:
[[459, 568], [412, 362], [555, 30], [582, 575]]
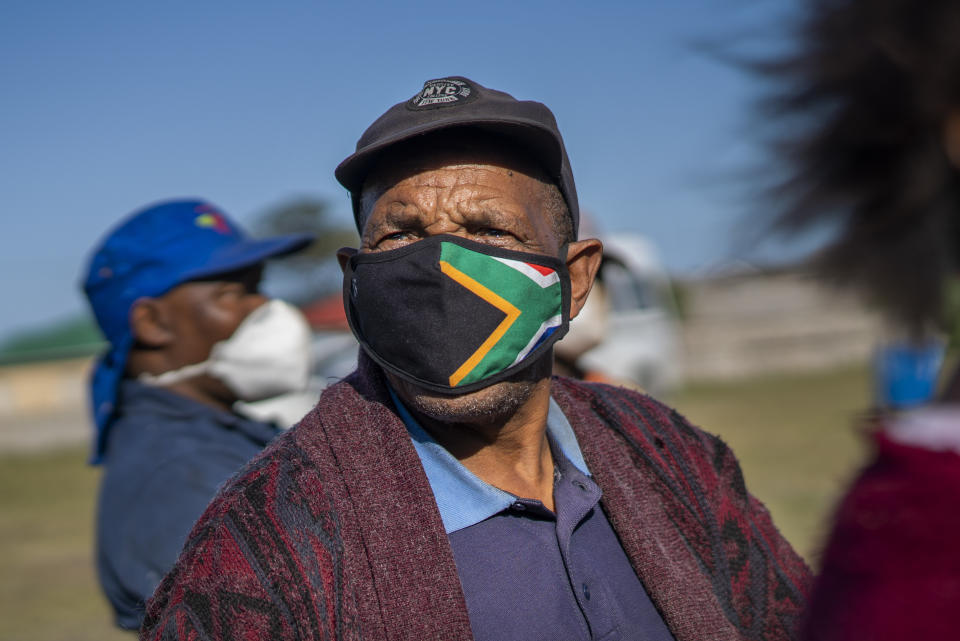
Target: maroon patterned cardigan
[[333, 533]]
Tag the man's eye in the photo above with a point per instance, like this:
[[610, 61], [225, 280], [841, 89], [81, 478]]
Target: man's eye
[[231, 290], [388, 241], [493, 232], [395, 236]]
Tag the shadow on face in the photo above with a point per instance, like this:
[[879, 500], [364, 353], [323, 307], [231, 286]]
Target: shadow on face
[[481, 187], [180, 327], [465, 182]]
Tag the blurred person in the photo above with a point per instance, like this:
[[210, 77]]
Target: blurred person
[[174, 288], [591, 325], [450, 488], [868, 105], [589, 330]]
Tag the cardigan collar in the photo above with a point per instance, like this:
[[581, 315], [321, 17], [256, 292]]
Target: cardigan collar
[[406, 546]]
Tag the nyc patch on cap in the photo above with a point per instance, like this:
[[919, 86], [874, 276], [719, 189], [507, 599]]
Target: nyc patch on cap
[[442, 92]]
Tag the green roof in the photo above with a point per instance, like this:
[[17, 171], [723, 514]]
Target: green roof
[[72, 338]]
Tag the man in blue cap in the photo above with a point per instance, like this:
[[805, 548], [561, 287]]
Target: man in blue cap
[[174, 289]]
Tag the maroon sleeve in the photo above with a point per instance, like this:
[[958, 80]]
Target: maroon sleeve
[[891, 568], [770, 581], [686, 491], [263, 562]]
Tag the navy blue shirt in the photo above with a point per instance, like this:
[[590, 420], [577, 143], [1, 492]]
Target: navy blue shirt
[[166, 457], [529, 573]]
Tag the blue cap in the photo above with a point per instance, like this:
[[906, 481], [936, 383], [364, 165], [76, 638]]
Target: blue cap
[[147, 255]]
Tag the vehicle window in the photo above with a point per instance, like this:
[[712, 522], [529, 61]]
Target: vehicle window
[[626, 291]]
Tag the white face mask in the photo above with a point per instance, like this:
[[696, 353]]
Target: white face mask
[[269, 354]]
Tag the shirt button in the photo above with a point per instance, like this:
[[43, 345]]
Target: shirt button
[[519, 507], [586, 591], [580, 485]]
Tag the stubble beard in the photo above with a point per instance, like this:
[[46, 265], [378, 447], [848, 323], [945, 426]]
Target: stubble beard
[[490, 406]]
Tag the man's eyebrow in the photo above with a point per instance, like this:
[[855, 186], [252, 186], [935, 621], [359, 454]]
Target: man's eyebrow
[[490, 213], [402, 217]]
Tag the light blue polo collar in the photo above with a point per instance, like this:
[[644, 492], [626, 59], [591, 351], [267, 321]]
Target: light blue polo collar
[[462, 498]]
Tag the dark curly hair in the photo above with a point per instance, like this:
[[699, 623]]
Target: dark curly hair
[[859, 107]]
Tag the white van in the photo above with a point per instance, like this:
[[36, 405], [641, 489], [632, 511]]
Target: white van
[[640, 344]]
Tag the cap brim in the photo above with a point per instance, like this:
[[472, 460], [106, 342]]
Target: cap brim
[[248, 253], [537, 140]]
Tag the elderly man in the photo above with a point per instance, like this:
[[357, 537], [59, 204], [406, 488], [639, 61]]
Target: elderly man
[[449, 488], [174, 289]]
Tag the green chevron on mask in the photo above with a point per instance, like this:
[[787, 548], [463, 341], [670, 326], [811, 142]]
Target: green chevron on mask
[[528, 294]]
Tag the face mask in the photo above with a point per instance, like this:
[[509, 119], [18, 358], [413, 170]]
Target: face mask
[[269, 354], [453, 316]]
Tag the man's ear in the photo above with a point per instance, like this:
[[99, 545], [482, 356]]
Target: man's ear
[[951, 138], [583, 263], [149, 321], [343, 255]]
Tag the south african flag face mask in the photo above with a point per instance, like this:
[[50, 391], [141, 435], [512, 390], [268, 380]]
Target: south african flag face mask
[[454, 316]]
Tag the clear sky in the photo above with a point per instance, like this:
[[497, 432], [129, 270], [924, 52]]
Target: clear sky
[[106, 106]]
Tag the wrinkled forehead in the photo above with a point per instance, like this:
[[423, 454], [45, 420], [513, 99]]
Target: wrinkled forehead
[[441, 150]]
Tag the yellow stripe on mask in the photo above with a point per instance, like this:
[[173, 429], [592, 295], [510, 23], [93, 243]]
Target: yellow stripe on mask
[[505, 306]]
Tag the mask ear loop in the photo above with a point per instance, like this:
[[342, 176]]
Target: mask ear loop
[[195, 369], [565, 287], [174, 375]]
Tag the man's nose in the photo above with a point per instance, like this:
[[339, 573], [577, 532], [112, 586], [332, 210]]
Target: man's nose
[[445, 225]]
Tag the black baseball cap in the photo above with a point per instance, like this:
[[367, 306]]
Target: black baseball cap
[[458, 102]]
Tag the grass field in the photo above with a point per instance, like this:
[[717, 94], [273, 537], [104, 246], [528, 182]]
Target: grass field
[[793, 435], [796, 440], [48, 589]]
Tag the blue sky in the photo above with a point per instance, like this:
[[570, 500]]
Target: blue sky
[[109, 105]]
